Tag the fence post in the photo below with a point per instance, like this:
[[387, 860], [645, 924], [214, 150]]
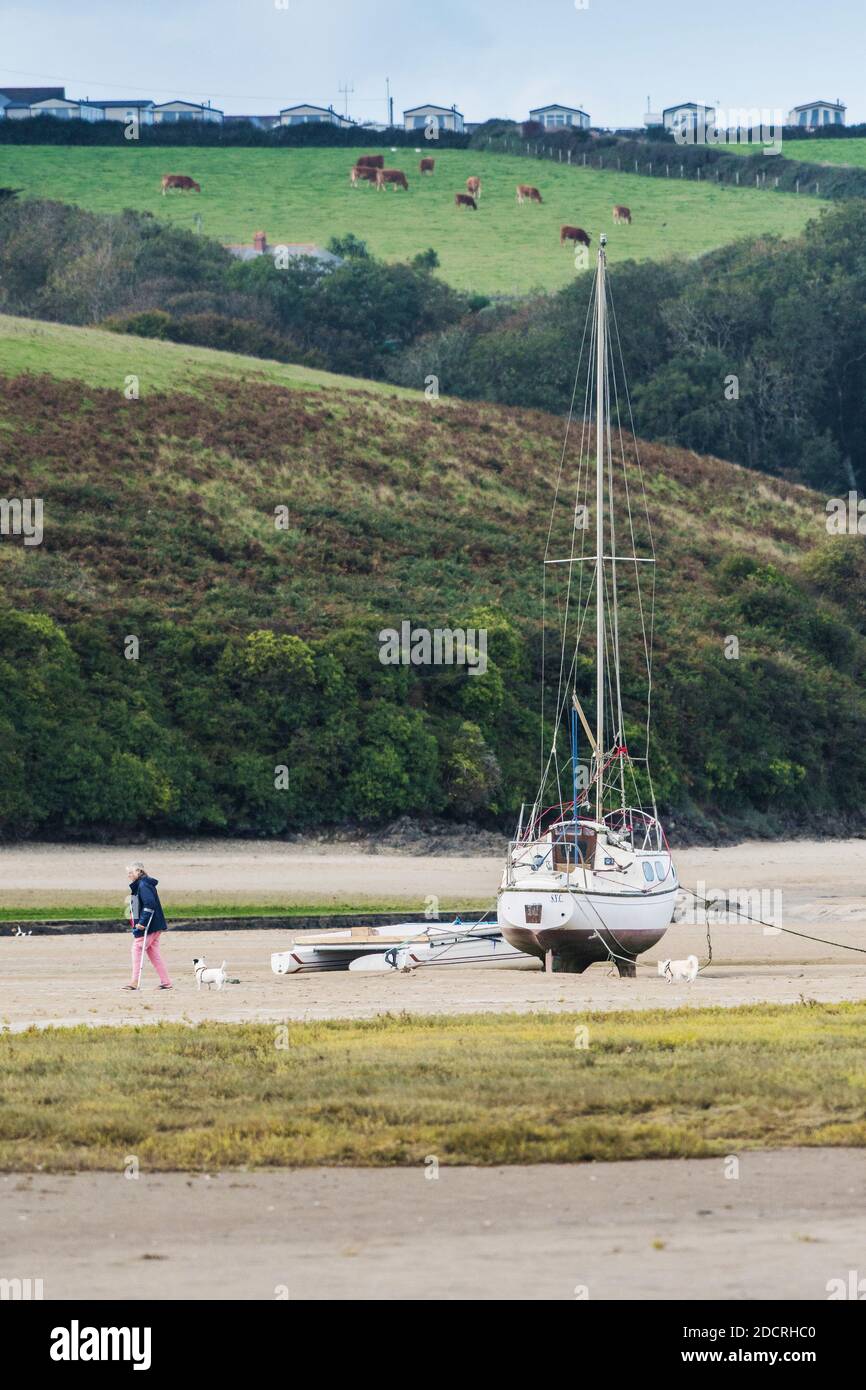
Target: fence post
[[635, 166], [667, 171], [681, 171], [738, 178], [817, 186]]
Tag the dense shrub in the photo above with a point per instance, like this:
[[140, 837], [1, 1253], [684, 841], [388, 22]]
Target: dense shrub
[[141, 276]]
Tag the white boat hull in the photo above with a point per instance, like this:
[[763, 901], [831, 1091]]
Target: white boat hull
[[491, 953], [582, 927]]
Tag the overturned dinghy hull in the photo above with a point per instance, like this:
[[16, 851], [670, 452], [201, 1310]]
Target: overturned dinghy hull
[[491, 951], [335, 950]]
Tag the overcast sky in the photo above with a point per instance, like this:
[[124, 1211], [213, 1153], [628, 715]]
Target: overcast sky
[[489, 57]]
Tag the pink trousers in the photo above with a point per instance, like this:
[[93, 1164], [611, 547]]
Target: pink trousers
[[153, 955]]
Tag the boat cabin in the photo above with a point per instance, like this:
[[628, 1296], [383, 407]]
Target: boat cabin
[[574, 845]]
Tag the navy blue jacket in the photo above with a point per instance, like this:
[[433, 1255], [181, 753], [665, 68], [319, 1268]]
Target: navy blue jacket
[[146, 907]]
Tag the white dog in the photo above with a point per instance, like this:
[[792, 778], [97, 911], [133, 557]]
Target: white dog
[[208, 975], [679, 969]]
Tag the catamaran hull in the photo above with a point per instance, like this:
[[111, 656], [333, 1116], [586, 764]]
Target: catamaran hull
[[581, 928]]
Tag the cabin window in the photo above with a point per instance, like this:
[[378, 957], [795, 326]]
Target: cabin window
[[648, 872], [570, 851], [532, 912], [660, 871]]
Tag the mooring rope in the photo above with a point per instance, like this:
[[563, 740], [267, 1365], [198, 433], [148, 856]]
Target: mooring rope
[[707, 902]]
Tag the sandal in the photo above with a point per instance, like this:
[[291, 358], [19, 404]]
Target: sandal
[[131, 987], [166, 986]]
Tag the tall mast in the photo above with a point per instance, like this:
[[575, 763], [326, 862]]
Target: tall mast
[[601, 372]]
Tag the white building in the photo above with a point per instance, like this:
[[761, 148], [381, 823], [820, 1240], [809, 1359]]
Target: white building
[[66, 110], [556, 117], [815, 113], [423, 117], [170, 112], [687, 116], [126, 111], [305, 114]]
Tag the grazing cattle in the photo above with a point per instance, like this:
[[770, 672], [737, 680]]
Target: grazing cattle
[[525, 192], [427, 166], [359, 173], [395, 176], [575, 234], [464, 200], [473, 187], [370, 161], [621, 214], [179, 181]]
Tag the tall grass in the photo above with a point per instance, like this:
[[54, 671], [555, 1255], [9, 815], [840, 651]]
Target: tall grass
[[482, 1089]]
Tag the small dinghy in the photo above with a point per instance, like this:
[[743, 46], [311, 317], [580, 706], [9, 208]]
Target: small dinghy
[[490, 950], [402, 946]]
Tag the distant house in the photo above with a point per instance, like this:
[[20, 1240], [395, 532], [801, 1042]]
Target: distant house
[[258, 122], [171, 112], [126, 111], [444, 117], [687, 116], [65, 110], [25, 96], [293, 249], [313, 115], [555, 117], [815, 113], [16, 111]]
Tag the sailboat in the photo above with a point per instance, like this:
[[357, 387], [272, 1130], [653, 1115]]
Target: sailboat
[[591, 877]]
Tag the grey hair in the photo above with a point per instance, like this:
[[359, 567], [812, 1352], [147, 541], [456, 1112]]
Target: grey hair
[[136, 868]]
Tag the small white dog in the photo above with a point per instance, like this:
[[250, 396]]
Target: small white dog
[[209, 975], [679, 969]]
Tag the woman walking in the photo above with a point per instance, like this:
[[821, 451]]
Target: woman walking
[[148, 921]]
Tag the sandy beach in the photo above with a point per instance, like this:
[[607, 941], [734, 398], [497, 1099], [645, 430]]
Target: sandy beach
[[817, 878], [790, 1222], [77, 978]]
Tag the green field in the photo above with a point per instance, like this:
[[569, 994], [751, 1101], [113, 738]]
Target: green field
[[305, 196], [851, 152], [484, 1089], [105, 359]]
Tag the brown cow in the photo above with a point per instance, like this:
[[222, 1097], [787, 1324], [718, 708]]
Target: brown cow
[[427, 166], [464, 200], [179, 181], [370, 161], [526, 191], [395, 176], [621, 214], [473, 187], [359, 173], [575, 234]]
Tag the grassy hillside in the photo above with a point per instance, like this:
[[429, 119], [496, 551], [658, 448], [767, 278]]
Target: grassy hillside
[[851, 152], [259, 646], [105, 359], [305, 195]]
